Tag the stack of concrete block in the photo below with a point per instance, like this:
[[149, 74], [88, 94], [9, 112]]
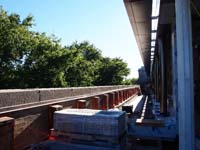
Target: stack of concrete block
[[87, 121], [109, 126]]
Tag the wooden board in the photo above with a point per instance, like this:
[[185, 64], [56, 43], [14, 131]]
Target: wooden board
[[150, 122]]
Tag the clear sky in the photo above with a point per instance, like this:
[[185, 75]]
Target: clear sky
[[103, 23]]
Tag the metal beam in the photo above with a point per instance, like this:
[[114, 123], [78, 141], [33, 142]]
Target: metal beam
[[185, 75]]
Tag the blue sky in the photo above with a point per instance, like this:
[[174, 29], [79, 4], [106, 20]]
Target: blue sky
[[103, 23]]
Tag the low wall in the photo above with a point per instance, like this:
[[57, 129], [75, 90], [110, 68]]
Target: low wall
[[24, 96], [30, 108]]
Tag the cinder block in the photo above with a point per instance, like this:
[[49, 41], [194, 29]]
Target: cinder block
[[93, 122]]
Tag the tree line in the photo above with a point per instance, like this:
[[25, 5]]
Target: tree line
[[30, 59]]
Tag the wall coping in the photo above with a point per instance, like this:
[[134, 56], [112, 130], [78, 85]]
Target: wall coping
[[15, 108]]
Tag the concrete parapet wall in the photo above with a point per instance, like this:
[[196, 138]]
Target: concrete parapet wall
[[24, 96], [32, 115]]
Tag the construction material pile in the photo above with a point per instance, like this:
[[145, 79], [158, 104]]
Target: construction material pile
[[91, 127]]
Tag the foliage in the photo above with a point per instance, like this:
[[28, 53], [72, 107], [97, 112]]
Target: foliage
[[112, 72], [130, 81], [30, 59]]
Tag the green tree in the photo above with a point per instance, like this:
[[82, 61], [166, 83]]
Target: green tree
[[112, 72], [130, 81], [14, 45], [30, 59], [85, 59]]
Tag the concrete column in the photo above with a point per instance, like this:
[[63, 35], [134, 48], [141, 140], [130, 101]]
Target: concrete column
[[95, 102], [105, 102], [174, 75], [111, 100], [120, 96], [81, 104], [185, 75], [116, 98], [6, 133], [125, 94], [157, 80], [163, 100], [129, 93], [134, 91], [52, 109]]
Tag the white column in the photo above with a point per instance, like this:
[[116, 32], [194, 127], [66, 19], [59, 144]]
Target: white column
[[174, 74], [185, 75]]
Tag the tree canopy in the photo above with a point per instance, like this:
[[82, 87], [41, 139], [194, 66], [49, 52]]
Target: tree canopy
[[31, 59]]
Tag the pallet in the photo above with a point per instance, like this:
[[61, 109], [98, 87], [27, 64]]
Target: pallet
[[92, 140], [58, 145]]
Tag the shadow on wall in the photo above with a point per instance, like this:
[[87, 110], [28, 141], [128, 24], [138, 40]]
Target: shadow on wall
[[31, 129]]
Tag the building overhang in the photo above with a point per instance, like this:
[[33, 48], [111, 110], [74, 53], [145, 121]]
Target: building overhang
[[139, 13]]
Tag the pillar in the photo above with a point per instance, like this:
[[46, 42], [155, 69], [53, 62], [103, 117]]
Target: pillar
[[105, 102], [52, 109], [111, 100], [185, 75], [81, 104], [163, 99], [120, 97], [95, 102], [117, 98]]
